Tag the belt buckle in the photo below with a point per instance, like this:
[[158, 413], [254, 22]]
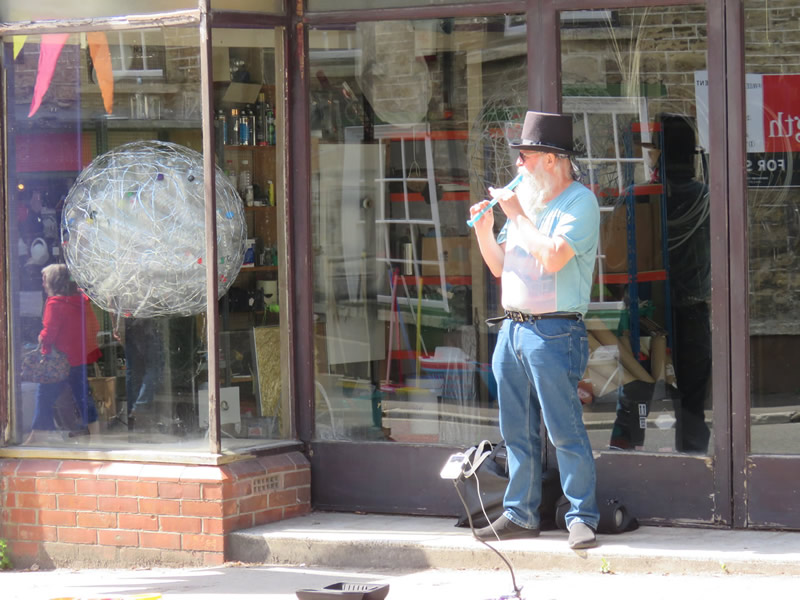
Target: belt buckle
[[517, 316]]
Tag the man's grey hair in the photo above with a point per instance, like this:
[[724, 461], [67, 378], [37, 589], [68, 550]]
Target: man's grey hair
[[575, 170]]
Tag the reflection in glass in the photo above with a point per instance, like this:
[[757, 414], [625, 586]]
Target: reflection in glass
[[254, 400], [327, 6], [45, 11], [399, 155], [262, 6], [642, 125], [132, 380], [772, 81]]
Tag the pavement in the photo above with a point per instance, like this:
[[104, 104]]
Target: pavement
[[423, 558], [281, 583]]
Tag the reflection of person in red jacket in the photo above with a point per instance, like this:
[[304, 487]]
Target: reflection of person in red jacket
[[70, 326]]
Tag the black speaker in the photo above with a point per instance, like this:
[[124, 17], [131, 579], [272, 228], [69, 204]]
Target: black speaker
[[614, 517]]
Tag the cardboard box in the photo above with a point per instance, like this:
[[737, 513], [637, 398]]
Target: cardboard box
[[614, 239], [104, 392], [455, 255]]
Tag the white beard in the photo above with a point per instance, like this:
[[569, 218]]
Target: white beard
[[533, 191]]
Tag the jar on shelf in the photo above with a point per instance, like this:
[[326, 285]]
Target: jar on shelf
[[245, 177]]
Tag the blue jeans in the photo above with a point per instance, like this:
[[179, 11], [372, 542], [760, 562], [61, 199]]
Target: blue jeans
[[47, 395], [538, 366]]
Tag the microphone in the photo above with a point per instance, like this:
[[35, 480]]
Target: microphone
[[510, 186]]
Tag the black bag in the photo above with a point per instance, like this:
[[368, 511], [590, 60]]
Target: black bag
[[486, 468]]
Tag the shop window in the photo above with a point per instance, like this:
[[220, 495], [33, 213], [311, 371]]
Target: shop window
[[106, 218], [399, 155]]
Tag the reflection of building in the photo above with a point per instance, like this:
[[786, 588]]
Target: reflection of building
[[355, 343]]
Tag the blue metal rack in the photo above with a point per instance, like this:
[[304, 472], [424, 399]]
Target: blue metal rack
[[633, 274]]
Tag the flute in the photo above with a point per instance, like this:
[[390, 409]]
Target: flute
[[510, 186]]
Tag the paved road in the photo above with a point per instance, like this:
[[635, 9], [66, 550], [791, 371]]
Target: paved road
[[280, 583]]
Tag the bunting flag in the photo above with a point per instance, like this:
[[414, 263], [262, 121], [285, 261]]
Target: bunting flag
[[101, 59], [19, 42], [49, 51]]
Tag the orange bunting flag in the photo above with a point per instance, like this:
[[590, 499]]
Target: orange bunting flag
[[49, 51], [101, 58]]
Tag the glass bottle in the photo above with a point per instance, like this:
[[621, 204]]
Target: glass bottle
[[245, 178], [261, 120], [244, 133], [251, 126], [233, 130], [222, 127], [270, 126], [230, 171]]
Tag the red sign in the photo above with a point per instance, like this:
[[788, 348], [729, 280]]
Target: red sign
[[781, 113]]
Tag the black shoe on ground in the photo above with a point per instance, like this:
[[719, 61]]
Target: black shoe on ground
[[503, 529], [581, 536]]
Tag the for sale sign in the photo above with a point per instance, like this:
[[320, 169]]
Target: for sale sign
[[773, 127]]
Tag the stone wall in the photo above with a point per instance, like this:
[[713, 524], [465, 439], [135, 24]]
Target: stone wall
[[655, 53], [59, 513]]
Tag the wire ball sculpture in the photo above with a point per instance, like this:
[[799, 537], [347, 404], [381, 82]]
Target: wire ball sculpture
[[498, 123], [133, 231]]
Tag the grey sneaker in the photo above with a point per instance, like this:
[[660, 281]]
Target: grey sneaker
[[581, 536]]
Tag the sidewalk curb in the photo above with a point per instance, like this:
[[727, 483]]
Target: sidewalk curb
[[647, 550]]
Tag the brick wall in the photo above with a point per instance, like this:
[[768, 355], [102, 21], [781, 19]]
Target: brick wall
[[92, 513]]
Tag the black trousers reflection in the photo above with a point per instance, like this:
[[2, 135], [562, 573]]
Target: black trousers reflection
[[692, 362], [692, 354]]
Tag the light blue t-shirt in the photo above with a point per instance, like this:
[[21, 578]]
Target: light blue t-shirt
[[526, 286]]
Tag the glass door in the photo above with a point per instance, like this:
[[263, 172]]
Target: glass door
[[772, 75], [409, 123], [635, 81], [401, 293]]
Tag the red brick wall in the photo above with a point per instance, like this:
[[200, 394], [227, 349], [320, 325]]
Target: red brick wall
[[97, 513]]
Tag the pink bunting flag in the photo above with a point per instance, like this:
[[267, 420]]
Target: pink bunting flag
[[49, 51]]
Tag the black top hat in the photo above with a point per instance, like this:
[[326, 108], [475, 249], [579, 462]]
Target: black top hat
[[546, 132]]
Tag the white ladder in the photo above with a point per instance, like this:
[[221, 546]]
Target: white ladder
[[386, 134]]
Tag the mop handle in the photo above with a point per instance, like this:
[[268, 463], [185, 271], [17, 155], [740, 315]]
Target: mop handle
[[510, 186]]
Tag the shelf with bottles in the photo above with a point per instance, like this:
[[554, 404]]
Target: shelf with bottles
[[252, 173], [233, 147], [249, 124], [245, 143]]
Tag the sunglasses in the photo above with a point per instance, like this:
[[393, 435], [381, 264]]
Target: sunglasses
[[523, 157]]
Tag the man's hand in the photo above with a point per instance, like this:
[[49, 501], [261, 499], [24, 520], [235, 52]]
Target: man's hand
[[491, 251], [483, 225], [508, 202]]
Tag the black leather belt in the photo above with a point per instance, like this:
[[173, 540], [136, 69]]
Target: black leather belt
[[521, 317]]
